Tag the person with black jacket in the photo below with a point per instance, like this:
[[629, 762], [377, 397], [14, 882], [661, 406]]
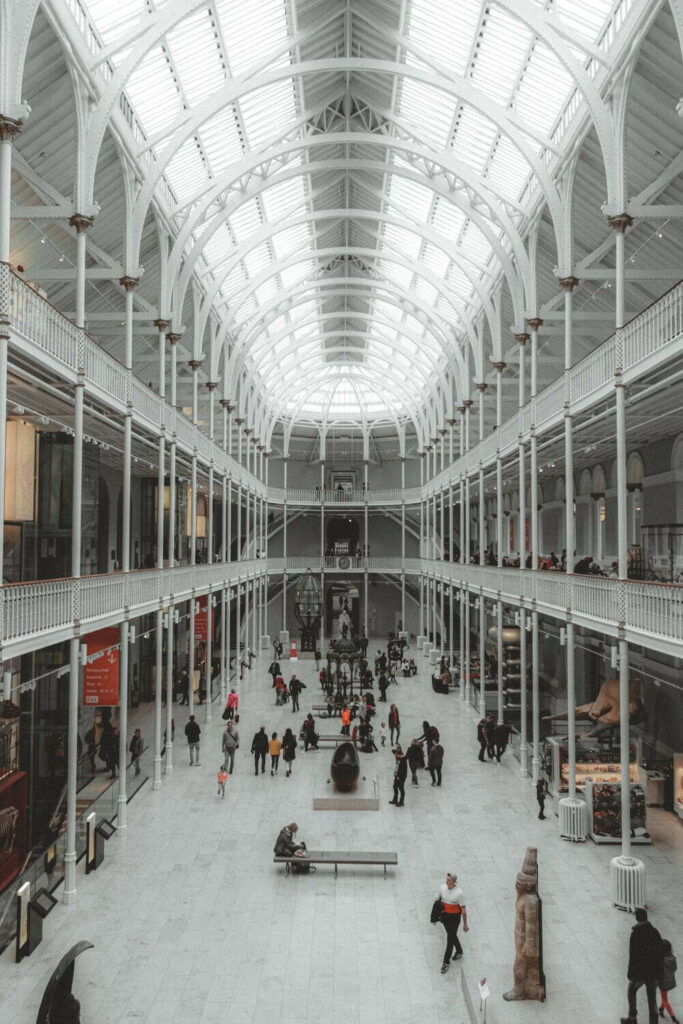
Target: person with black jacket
[[416, 758], [259, 748], [193, 732], [382, 683], [400, 776], [288, 750], [645, 957], [435, 763], [501, 737], [483, 736], [295, 688]]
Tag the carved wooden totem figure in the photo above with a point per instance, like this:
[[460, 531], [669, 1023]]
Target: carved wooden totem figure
[[528, 975]]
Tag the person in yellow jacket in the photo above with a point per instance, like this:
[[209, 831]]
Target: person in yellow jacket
[[275, 746]]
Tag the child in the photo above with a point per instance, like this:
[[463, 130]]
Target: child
[[222, 777], [275, 746], [667, 980], [383, 733]]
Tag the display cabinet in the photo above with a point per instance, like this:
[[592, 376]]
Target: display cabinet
[[603, 803], [593, 764]]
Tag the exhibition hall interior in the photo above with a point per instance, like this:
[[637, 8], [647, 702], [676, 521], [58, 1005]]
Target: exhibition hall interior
[[341, 383]]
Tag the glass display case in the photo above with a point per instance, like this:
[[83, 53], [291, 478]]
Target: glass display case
[[603, 802], [594, 763]]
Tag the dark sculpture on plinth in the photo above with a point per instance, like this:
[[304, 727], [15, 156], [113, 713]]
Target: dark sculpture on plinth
[[345, 767], [528, 974], [59, 1005]]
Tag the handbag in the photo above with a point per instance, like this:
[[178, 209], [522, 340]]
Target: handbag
[[436, 912], [225, 716]]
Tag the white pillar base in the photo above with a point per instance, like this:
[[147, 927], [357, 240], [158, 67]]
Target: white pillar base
[[157, 773], [434, 656], [168, 766], [69, 894], [628, 883], [122, 814], [425, 646], [265, 641], [535, 769], [420, 641], [572, 819], [284, 638], [402, 634]]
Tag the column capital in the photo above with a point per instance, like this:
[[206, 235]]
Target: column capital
[[443, 431], [162, 325], [194, 364], [568, 284], [9, 127], [482, 386], [499, 367], [211, 385], [522, 338], [285, 458], [434, 441], [467, 404], [535, 322], [227, 405], [129, 284], [81, 222], [451, 422], [620, 223], [239, 420], [262, 448], [247, 430], [428, 448]]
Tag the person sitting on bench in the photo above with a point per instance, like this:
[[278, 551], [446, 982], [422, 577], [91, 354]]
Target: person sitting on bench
[[286, 846]]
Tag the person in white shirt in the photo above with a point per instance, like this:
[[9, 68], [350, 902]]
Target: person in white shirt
[[454, 910]]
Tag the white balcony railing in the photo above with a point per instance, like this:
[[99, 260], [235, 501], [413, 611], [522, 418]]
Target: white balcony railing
[[70, 349]]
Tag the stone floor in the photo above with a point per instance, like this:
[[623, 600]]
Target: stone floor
[[193, 924]]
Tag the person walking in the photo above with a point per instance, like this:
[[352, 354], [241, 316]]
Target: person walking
[[400, 776], [259, 748], [394, 723], [184, 686], [309, 733], [193, 732], [452, 913], [288, 750], [221, 777], [231, 706], [295, 688], [435, 762], [231, 741], [667, 980], [274, 670], [274, 746], [135, 748], [541, 793], [382, 683], [416, 759], [645, 962], [501, 736], [345, 720], [482, 737]]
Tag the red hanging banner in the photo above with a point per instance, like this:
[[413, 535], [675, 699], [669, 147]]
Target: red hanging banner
[[101, 673], [201, 620]]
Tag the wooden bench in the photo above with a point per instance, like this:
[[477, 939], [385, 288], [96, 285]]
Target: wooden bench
[[322, 711], [338, 857]]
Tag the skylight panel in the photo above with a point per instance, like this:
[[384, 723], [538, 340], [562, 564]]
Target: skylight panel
[[194, 49], [291, 276], [448, 218], [402, 241], [436, 259], [186, 170], [475, 245], [268, 290], [235, 280], [268, 112], [500, 55], [221, 140], [153, 92], [288, 196], [115, 18], [508, 171], [543, 90], [219, 246], [426, 291], [416, 99], [410, 198], [252, 30], [588, 16], [245, 221], [444, 31], [292, 239], [473, 139]]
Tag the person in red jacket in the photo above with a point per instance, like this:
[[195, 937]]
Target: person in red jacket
[[231, 706]]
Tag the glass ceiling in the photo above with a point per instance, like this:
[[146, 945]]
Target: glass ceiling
[[342, 262]]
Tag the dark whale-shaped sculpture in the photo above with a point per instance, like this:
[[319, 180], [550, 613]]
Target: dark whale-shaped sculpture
[[345, 767]]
